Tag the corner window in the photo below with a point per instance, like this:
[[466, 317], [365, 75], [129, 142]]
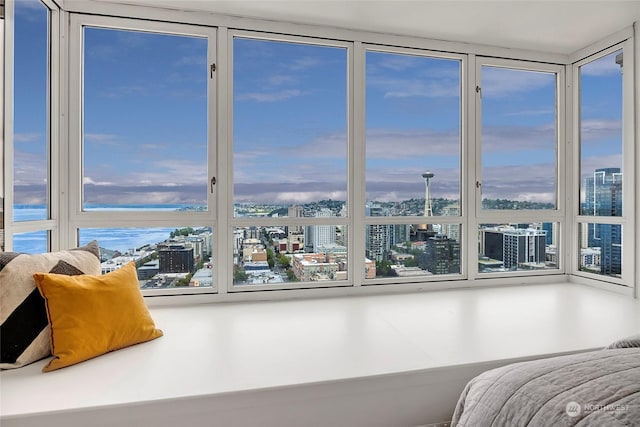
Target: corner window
[[31, 110], [519, 138], [601, 170], [30, 200], [605, 153], [519, 164]]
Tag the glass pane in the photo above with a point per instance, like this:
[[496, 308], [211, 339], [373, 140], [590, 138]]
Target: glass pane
[[275, 255], [31, 109], [29, 212], [412, 250], [519, 139], [517, 247], [601, 136], [413, 134], [145, 121], [35, 242], [601, 249], [166, 257], [289, 126]]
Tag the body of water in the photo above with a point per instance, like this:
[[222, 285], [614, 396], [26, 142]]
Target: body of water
[[116, 239]]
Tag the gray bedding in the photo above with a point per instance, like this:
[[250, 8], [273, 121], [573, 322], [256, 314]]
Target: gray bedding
[[595, 389]]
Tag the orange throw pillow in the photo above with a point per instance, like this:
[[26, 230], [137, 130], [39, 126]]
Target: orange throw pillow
[[92, 315]]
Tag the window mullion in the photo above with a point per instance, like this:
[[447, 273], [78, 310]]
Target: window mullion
[[357, 153], [472, 194], [223, 245]]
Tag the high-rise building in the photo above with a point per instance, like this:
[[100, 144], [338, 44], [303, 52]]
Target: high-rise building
[[176, 259], [515, 246], [378, 236], [295, 211], [550, 228], [401, 233], [320, 235], [603, 194], [452, 231], [441, 255]]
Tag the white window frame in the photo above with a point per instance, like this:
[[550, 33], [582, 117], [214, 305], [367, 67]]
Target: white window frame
[[462, 219], [79, 219], [50, 225], [228, 202], [489, 216], [66, 216], [629, 153]]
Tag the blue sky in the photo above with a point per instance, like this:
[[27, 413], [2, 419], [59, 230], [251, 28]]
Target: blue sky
[[30, 102], [145, 121]]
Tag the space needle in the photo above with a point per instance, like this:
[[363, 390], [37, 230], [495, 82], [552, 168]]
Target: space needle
[[428, 211]]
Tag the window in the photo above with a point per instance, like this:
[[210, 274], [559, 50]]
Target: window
[[601, 136], [290, 156], [167, 258], [231, 160], [289, 125], [145, 109], [31, 110], [143, 147], [34, 242], [605, 149], [31, 146], [517, 247], [413, 164], [519, 138], [518, 166]]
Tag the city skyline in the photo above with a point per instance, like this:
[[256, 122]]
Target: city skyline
[[281, 154]]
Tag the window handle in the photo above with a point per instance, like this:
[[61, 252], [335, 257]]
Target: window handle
[[213, 183]]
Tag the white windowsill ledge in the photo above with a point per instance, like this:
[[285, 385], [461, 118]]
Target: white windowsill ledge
[[402, 357]]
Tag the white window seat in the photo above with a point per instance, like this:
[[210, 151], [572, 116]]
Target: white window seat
[[387, 360]]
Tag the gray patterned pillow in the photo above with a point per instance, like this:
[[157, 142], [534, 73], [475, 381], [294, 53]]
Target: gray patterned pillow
[[24, 326], [627, 342]]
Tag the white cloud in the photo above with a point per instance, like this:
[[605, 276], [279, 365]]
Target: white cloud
[[27, 137], [397, 62], [271, 96], [29, 168], [280, 79], [136, 194], [605, 66], [399, 87], [399, 144], [171, 173], [101, 138], [125, 91], [134, 39], [597, 130], [517, 138], [87, 180], [540, 112], [501, 82], [191, 60], [589, 164], [305, 63], [31, 4], [535, 182], [308, 196]]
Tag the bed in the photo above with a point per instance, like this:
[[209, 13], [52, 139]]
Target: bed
[[594, 389]]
